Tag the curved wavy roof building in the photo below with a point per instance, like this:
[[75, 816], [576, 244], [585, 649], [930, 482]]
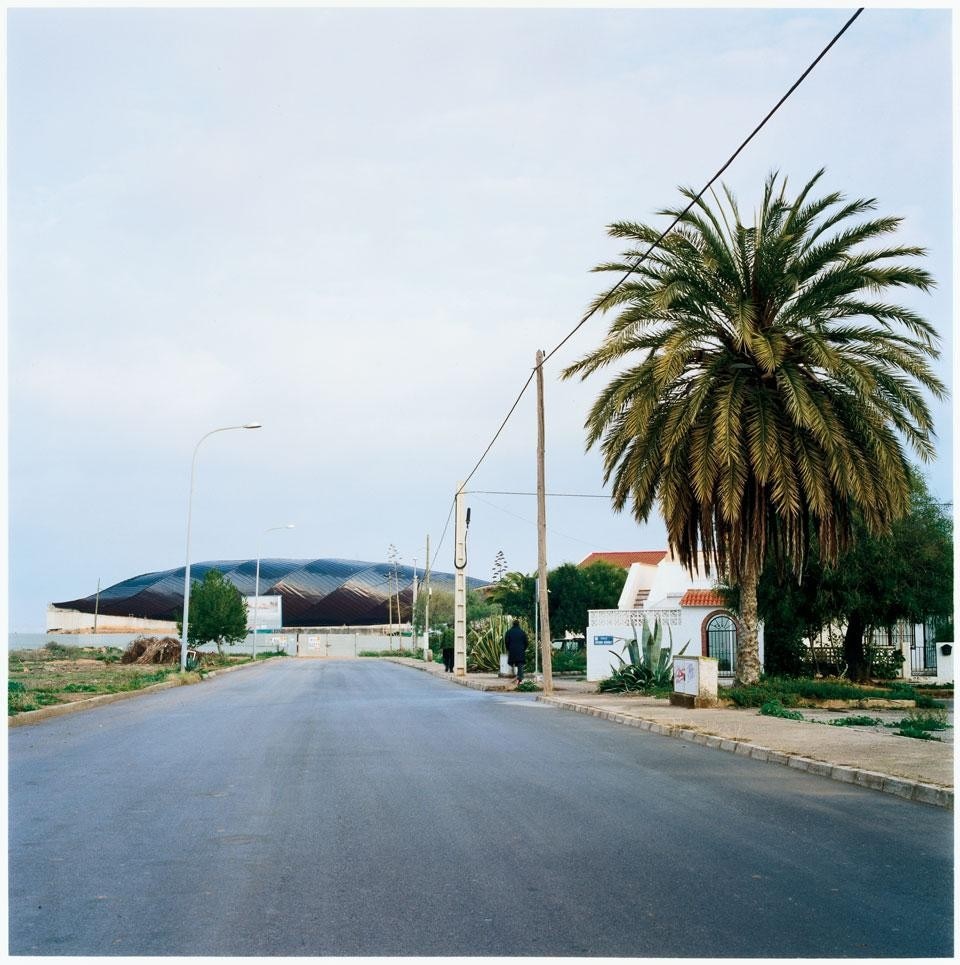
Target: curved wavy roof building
[[315, 593]]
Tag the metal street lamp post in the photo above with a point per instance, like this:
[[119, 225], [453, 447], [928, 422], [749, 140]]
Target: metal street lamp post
[[256, 589], [184, 636]]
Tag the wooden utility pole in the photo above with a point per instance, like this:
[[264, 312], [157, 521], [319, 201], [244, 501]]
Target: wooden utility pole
[[545, 646]]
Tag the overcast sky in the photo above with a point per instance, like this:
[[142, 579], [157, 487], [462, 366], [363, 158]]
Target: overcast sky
[[357, 227]]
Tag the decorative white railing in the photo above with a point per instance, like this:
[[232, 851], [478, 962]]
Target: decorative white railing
[[634, 618]]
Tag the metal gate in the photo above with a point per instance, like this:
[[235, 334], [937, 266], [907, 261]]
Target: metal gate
[[923, 653], [722, 644]]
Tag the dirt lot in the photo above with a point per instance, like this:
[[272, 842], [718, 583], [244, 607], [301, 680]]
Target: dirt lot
[[62, 675]]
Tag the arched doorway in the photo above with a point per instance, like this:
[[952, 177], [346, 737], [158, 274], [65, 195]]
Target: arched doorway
[[720, 634]]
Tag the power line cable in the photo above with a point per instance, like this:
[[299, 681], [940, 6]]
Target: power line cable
[[523, 519], [503, 492], [436, 552], [673, 224], [704, 189]]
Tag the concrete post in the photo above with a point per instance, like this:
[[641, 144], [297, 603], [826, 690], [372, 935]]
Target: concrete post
[[460, 584]]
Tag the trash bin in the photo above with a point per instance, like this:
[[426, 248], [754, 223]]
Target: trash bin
[[505, 669]]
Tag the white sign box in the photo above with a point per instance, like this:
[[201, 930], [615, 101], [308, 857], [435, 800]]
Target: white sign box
[[686, 675], [696, 677]]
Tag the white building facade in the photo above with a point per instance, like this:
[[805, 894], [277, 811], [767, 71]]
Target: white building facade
[[657, 587]]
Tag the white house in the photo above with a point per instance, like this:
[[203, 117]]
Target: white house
[[657, 586]]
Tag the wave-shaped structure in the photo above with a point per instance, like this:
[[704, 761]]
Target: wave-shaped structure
[[315, 593]]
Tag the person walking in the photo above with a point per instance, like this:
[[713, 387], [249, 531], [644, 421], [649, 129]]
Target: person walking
[[516, 642], [446, 647]]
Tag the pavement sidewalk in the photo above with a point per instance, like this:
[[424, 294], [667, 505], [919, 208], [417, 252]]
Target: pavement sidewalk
[[914, 769]]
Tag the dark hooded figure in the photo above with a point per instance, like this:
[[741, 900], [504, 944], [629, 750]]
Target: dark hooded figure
[[516, 641]]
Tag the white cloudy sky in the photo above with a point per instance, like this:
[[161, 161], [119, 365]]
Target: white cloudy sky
[[357, 227]]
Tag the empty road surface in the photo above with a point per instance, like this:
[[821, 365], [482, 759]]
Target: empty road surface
[[362, 808]]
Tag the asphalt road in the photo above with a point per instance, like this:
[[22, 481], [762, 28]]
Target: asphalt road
[[362, 808]]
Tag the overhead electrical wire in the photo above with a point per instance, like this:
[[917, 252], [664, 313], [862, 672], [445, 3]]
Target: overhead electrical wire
[[670, 227], [533, 522], [503, 492]]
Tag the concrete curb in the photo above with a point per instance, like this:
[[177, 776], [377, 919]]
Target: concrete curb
[[901, 787], [91, 703], [451, 678]]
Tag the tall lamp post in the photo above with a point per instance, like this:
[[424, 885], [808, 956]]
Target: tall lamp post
[[256, 588], [186, 575]]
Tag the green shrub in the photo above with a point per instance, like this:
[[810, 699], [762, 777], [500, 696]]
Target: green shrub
[[633, 680], [15, 687], [78, 689], [528, 687], [917, 734], [569, 661], [885, 663], [773, 708]]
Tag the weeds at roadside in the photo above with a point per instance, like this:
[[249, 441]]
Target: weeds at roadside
[[773, 708], [855, 721], [919, 724]]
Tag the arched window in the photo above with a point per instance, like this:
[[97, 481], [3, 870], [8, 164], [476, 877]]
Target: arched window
[[721, 635]]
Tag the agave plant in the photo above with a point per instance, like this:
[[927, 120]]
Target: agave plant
[[485, 643], [650, 665]]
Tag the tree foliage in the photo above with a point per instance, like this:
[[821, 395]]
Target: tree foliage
[[768, 385], [218, 612], [573, 591], [441, 608], [906, 574], [516, 594]]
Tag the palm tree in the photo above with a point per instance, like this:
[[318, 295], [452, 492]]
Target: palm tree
[[769, 388]]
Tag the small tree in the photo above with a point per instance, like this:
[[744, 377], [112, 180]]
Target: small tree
[[218, 613], [515, 592]]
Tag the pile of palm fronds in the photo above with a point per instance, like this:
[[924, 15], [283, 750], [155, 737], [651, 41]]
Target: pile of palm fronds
[[152, 650]]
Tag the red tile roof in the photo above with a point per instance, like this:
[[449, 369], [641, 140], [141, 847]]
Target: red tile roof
[[702, 598], [650, 557]]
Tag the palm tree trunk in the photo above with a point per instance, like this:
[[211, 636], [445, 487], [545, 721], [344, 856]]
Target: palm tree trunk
[[858, 667], [748, 651]]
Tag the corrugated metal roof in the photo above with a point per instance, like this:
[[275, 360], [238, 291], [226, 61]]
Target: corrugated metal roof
[[319, 592]]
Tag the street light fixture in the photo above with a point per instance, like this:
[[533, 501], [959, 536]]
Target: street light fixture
[[256, 589], [186, 575]]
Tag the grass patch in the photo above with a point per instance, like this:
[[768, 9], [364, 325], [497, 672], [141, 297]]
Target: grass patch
[[59, 674], [528, 687], [414, 654], [854, 721]]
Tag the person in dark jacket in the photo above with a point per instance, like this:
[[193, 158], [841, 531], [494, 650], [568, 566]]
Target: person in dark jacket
[[516, 641], [447, 648]]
